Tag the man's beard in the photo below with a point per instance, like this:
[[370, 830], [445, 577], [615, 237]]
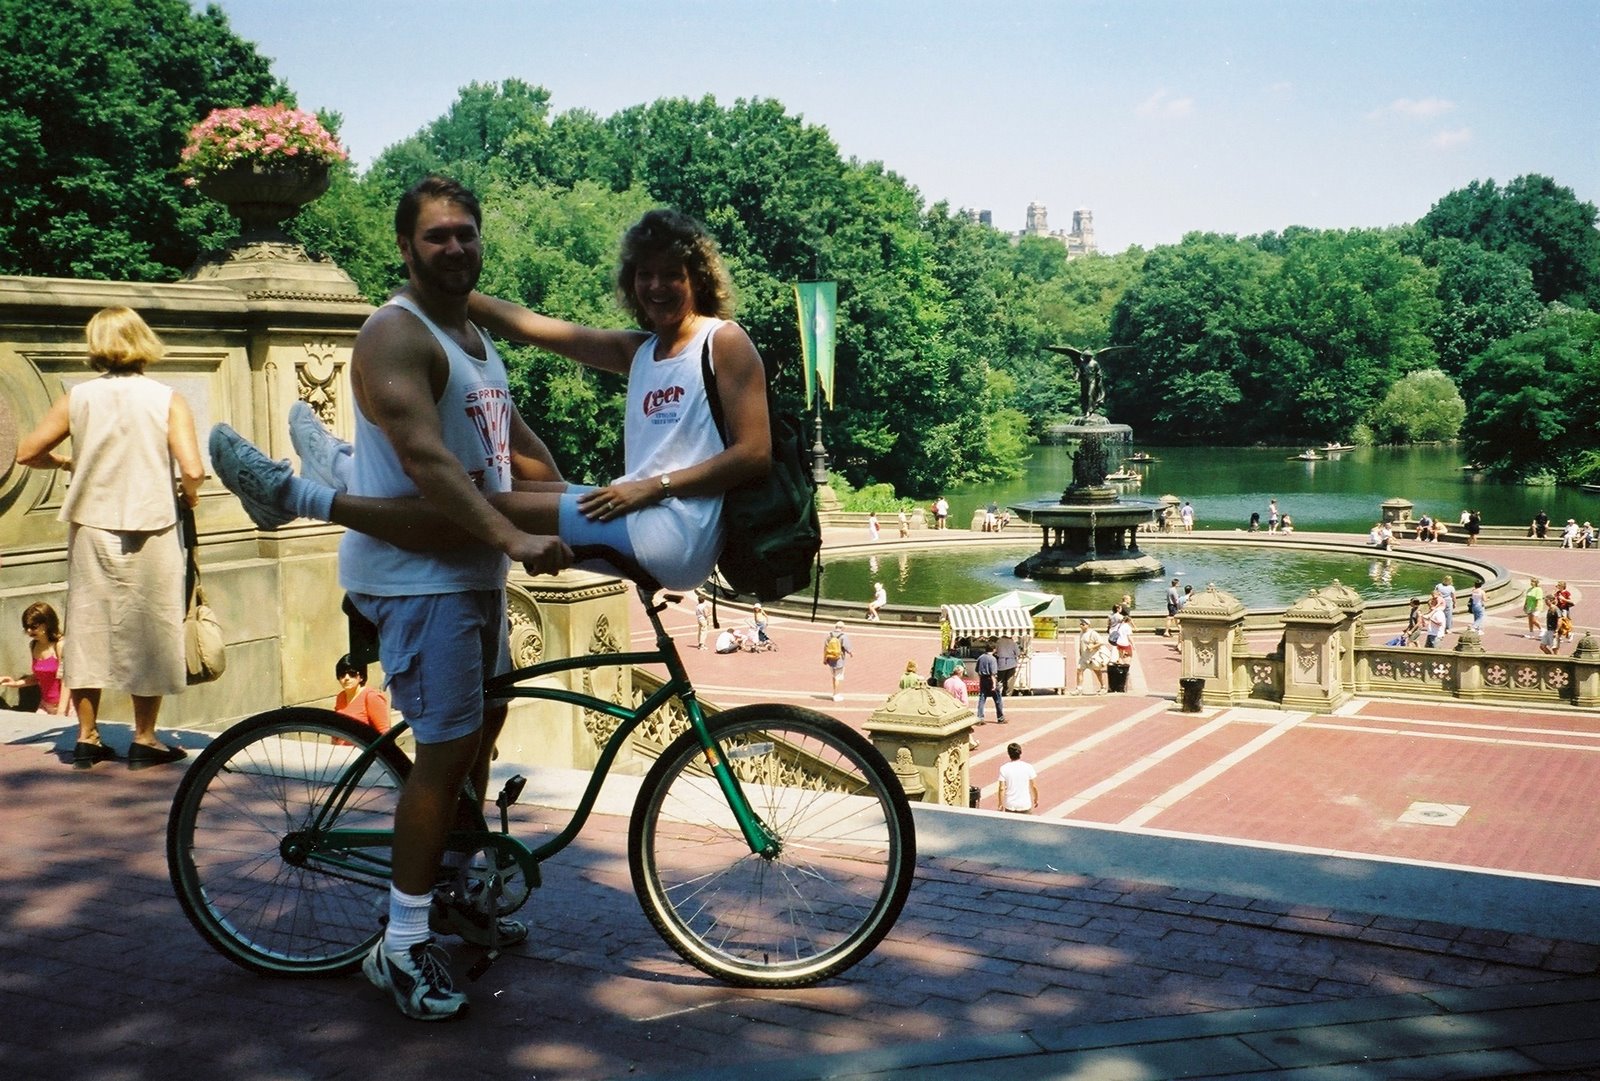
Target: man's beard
[[448, 282]]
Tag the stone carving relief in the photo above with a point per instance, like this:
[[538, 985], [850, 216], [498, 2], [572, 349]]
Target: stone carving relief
[[316, 377], [525, 628]]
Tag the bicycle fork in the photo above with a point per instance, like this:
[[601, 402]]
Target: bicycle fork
[[758, 835]]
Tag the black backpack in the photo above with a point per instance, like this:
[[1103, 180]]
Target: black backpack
[[771, 534]]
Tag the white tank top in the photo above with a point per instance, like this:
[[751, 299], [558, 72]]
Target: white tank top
[[122, 465], [475, 415], [668, 427]]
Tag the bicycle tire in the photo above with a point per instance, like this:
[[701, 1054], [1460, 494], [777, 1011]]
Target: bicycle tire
[[236, 880], [829, 896]]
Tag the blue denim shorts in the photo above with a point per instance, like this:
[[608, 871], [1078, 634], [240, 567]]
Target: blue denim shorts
[[436, 651]]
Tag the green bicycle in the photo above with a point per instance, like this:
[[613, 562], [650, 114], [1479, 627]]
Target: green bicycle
[[770, 845]]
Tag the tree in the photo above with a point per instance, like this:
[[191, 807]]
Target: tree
[[1484, 296], [96, 100], [1531, 405], [1422, 407], [1537, 222]]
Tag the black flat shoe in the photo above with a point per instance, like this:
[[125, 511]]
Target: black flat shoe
[[141, 756], [85, 755]]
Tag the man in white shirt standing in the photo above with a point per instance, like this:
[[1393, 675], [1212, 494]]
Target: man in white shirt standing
[[1019, 786]]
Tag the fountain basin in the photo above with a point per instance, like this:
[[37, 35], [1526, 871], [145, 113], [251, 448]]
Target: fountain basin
[[1088, 540]]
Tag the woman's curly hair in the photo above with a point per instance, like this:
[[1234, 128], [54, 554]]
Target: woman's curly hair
[[667, 232]]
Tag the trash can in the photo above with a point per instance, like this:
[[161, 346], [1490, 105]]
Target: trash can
[[974, 794], [1116, 678], [1190, 689]]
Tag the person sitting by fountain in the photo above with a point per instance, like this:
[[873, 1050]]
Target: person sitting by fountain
[[1094, 655], [1287, 526]]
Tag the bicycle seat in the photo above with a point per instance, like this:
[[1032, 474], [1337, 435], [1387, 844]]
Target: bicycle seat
[[626, 565]]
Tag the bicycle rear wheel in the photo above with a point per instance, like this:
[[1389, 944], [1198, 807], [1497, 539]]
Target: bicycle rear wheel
[[243, 855], [830, 894]]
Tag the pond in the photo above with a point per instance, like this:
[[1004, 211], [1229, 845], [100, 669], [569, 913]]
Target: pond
[[1342, 493], [1261, 576]]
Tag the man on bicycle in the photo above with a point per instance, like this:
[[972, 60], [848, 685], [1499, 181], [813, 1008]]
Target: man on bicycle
[[435, 418]]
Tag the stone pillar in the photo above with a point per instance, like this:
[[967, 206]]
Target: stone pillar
[[1469, 665], [1396, 511], [1352, 632], [925, 728], [1209, 644], [1586, 671], [572, 614], [1312, 661]]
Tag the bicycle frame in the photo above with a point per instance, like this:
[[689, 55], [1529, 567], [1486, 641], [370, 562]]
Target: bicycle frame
[[327, 844]]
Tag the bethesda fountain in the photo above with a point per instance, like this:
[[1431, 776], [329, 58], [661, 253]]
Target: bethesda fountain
[[1092, 532]]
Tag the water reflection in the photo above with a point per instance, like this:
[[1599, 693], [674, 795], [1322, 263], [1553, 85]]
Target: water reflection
[[1260, 576]]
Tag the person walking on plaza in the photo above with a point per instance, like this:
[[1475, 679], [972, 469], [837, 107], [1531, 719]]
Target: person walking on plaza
[[1435, 621], [1549, 641], [125, 560], [1476, 605], [1174, 602], [1563, 598], [1007, 656], [1019, 783], [1532, 605], [989, 684], [880, 597], [903, 520], [1093, 657], [702, 620], [872, 527], [1446, 590], [835, 648], [956, 685], [941, 512]]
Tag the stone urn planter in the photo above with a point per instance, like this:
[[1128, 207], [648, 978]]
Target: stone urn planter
[[262, 196]]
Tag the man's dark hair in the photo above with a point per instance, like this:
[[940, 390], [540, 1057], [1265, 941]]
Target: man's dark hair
[[433, 186], [1014, 750]]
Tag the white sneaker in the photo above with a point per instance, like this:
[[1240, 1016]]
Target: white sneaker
[[419, 980], [838, 698], [324, 457]]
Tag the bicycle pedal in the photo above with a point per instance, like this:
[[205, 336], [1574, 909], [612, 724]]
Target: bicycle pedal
[[481, 965], [511, 792]]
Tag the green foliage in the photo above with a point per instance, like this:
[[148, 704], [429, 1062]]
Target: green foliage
[[96, 100], [1538, 223], [1531, 405], [1423, 407], [1288, 337], [1484, 296]]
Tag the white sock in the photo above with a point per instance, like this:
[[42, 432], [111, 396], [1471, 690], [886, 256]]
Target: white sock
[[308, 499], [408, 920]]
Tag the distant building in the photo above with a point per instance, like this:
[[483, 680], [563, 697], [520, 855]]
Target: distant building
[[1080, 241]]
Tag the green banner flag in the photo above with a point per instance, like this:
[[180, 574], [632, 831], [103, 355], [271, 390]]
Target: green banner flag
[[817, 302]]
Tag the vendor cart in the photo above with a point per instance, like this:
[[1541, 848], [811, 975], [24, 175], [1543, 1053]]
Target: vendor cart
[[965, 628]]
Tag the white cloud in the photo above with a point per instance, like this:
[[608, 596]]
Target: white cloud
[[1449, 140], [1413, 108], [1163, 105]]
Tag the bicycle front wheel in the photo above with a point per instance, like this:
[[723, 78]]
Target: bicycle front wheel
[[243, 844], [846, 857]]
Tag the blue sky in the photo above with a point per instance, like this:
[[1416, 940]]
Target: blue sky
[[1160, 116]]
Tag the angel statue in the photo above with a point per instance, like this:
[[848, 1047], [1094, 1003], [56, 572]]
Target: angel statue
[[1091, 384]]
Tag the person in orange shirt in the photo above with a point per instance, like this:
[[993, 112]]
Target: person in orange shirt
[[356, 699]]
